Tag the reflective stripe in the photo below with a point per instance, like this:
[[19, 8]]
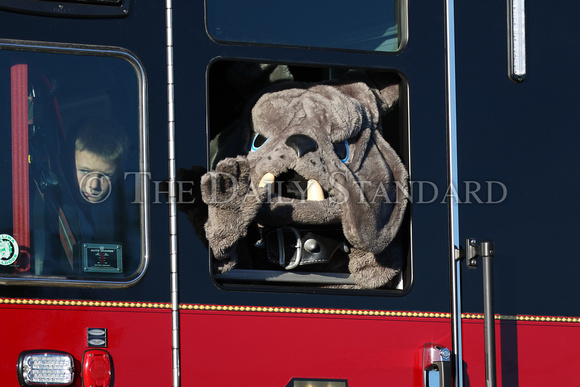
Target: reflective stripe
[[20, 185]]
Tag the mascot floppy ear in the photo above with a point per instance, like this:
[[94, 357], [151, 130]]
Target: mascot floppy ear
[[385, 87], [377, 199]]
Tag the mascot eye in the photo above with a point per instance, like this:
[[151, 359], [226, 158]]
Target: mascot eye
[[258, 141], [342, 151]]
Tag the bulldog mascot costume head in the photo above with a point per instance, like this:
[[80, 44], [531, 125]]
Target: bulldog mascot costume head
[[317, 188]]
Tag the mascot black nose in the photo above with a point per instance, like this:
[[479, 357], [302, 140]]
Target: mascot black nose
[[302, 144]]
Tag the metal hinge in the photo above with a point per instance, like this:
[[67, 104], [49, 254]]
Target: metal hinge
[[474, 251]]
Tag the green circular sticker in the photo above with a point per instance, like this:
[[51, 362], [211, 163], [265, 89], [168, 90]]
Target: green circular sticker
[[8, 250]]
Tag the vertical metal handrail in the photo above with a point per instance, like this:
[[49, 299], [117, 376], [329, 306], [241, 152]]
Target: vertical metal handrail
[[486, 252], [452, 178], [172, 195]]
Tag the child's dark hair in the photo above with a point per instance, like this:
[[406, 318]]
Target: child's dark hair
[[104, 137]]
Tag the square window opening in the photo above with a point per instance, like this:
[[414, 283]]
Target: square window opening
[[307, 186]]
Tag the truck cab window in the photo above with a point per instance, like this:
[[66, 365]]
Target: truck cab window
[[75, 212], [360, 25], [308, 178]]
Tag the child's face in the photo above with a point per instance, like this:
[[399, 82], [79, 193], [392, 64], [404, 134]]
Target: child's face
[[94, 176]]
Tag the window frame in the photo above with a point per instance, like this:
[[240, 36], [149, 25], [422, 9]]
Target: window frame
[[144, 202], [402, 19], [280, 281]]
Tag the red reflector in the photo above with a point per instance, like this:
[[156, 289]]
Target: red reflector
[[97, 370]]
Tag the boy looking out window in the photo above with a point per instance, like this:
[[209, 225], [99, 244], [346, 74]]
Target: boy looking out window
[[100, 149]]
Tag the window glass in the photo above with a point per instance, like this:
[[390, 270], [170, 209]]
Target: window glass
[[361, 25], [72, 199], [308, 178]]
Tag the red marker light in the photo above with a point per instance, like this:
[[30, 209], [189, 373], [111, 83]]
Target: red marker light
[[97, 369]]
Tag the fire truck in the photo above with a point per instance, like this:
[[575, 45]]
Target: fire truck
[[121, 290]]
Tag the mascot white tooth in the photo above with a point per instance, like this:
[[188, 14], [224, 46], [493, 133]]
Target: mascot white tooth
[[318, 174]]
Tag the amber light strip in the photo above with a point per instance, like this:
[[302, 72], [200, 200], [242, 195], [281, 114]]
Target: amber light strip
[[110, 304], [270, 309], [477, 316], [351, 312]]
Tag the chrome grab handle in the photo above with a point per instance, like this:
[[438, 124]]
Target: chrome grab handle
[[436, 366]]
